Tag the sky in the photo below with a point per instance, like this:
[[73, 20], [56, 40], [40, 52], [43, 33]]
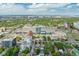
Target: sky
[[68, 9]]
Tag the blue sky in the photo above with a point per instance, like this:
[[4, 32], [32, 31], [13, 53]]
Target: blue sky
[[69, 9]]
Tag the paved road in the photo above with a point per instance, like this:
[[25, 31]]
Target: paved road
[[32, 51], [15, 29], [72, 41]]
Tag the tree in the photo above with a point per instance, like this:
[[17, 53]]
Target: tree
[[37, 50], [25, 52], [16, 50], [1, 36], [48, 47], [46, 50], [48, 38], [12, 51], [2, 49], [55, 53], [59, 45], [33, 37], [44, 38], [18, 38]]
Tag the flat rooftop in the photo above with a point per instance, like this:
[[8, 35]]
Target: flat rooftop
[[7, 39]]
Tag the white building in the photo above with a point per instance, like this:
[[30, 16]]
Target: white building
[[76, 25], [27, 42], [1, 33]]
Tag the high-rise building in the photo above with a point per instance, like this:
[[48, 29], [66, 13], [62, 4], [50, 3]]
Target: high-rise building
[[26, 43], [8, 42]]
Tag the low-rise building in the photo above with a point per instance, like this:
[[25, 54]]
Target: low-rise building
[[2, 29], [1, 34], [76, 25], [58, 34], [37, 29]]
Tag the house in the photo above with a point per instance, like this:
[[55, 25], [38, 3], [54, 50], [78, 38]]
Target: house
[[1, 34], [2, 29]]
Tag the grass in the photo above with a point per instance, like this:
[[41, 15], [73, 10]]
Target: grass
[[25, 52]]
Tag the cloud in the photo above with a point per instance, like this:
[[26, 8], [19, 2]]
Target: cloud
[[47, 5], [39, 9], [11, 9]]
